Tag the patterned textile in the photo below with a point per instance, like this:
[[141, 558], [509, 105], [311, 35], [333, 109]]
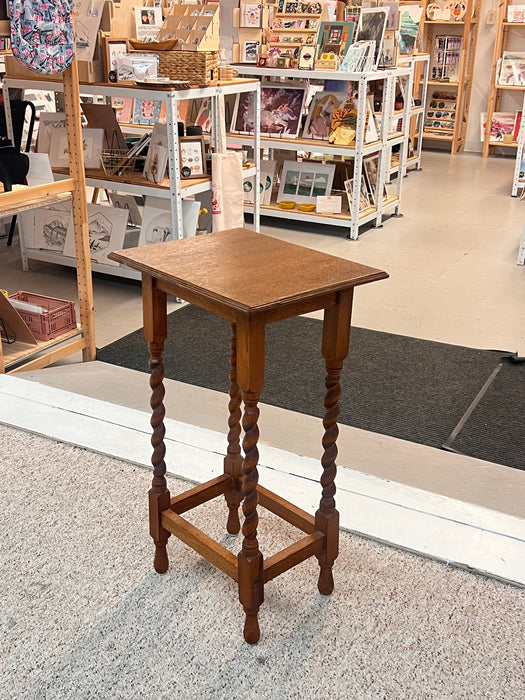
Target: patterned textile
[[42, 34]]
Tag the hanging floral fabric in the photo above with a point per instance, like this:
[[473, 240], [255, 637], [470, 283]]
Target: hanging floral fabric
[[42, 34]]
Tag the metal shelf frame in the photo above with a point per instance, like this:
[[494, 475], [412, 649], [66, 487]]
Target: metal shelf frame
[[382, 146], [177, 188]]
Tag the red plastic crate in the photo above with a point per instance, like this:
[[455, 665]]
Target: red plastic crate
[[58, 318]]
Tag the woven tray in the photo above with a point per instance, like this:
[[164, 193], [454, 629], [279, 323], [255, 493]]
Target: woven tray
[[199, 68]]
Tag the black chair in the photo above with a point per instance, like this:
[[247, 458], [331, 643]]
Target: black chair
[[13, 170]]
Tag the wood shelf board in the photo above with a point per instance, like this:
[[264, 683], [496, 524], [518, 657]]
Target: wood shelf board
[[34, 204], [16, 352], [510, 87], [134, 179], [343, 216]]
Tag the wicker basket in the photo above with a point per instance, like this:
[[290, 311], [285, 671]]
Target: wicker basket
[[58, 318], [199, 68]]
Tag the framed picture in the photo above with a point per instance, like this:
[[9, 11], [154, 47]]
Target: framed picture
[[107, 229], [146, 112], [157, 157], [319, 119], [335, 37], [303, 182], [364, 201], [250, 49], [371, 27], [370, 171], [192, 161], [93, 142], [112, 50], [281, 111], [409, 19]]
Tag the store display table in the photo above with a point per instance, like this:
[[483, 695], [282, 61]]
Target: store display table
[[250, 279]]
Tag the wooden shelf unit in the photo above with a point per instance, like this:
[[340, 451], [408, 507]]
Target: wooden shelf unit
[[17, 356], [497, 93], [467, 30]]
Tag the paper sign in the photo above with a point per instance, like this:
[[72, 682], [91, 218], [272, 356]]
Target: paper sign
[[330, 204]]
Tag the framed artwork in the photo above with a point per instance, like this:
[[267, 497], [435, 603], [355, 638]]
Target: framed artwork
[[370, 168], [204, 115], [112, 49], [322, 106], [516, 13], [251, 14], [148, 22], [392, 20], [51, 227], [146, 112], [364, 201], [409, 19], [93, 143], [192, 159], [123, 107], [250, 49], [107, 229], [157, 157], [501, 126], [335, 37], [157, 226], [371, 27], [303, 182], [47, 123], [268, 168], [281, 111]]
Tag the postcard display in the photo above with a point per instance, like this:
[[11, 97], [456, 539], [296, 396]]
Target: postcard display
[[348, 145], [336, 133], [450, 37], [501, 123]]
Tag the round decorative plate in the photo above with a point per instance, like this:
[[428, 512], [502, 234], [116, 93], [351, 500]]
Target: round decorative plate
[[457, 10], [431, 8]]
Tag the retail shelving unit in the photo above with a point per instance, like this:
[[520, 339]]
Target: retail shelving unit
[[509, 35], [20, 356], [352, 219], [173, 187], [444, 40], [419, 66]]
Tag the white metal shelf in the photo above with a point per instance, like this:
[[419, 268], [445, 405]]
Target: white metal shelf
[[361, 149], [174, 188]]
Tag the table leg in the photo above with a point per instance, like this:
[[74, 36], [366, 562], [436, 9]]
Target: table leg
[[250, 365], [155, 331], [233, 459], [336, 333]]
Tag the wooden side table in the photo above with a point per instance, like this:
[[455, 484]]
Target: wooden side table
[[250, 279]]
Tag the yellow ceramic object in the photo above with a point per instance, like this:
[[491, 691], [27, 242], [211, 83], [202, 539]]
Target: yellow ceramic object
[[307, 207], [287, 205]]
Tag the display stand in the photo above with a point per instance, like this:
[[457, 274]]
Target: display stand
[[353, 219], [508, 35], [419, 65], [173, 187], [19, 356], [458, 85]]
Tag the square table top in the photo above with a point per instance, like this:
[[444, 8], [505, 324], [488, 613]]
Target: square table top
[[245, 271]]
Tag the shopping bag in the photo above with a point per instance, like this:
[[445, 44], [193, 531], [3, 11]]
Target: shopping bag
[[42, 34], [227, 201]]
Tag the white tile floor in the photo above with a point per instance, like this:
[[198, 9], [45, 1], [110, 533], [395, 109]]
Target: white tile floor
[[453, 278]]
